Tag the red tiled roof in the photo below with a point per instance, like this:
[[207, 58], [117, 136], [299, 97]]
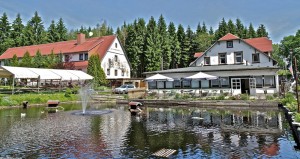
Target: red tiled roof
[[103, 43], [198, 54], [263, 44], [228, 36], [79, 64]]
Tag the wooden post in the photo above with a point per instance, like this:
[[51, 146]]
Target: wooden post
[[296, 78]]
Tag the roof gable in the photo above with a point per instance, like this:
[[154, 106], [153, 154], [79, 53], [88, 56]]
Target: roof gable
[[70, 46], [228, 36]]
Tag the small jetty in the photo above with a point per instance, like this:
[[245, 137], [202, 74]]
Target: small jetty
[[135, 107], [52, 106], [164, 153]]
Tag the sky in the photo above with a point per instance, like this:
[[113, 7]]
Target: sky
[[281, 18]]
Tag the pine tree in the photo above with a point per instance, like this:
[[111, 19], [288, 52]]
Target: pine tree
[[34, 31], [165, 43], [251, 32], [204, 29], [39, 60], [5, 40], [211, 31], [52, 32], [175, 46], [261, 31], [152, 47], [132, 48], [199, 29], [61, 30], [14, 61], [140, 29], [17, 29], [231, 27], [183, 42], [222, 30], [122, 33], [239, 28], [26, 60], [94, 69]]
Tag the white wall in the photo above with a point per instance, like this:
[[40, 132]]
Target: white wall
[[121, 64], [238, 45]]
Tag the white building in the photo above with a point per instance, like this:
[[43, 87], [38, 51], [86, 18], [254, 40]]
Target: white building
[[242, 65], [77, 52]]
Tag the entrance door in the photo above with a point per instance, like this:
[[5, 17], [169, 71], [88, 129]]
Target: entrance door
[[252, 85], [245, 86], [236, 86]]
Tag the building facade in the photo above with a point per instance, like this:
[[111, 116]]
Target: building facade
[[77, 52], [241, 65]]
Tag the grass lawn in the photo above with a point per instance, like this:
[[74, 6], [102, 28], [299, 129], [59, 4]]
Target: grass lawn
[[33, 98]]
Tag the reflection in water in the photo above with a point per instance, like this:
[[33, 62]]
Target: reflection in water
[[193, 132]]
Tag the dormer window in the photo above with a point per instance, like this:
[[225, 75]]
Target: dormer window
[[206, 60], [116, 45], [230, 44]]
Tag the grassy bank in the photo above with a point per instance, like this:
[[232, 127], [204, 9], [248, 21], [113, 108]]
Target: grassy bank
[[17, 99]]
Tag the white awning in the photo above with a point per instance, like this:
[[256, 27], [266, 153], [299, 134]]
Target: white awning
[[19, 72], [159, 77], [45, 73], [81, 75]]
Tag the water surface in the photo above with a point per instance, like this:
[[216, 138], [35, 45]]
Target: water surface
[[192, 132]]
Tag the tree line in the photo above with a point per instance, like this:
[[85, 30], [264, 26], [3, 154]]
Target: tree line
[[157, 46], [149, 46]]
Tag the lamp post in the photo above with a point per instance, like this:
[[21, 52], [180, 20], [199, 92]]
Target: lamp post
[[296, 78]]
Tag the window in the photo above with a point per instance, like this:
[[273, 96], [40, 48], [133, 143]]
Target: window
[[116, 45], [236, 84], [206, 60], [80, 57], [255, 57], [116, 72], [215, 83], [86, 56], [169, 84], [160, 84], [108, 72], [222, 58], [116, 58], [67, 58], [259, 81], [195, 84], [122, 73], [269, 81], [238, 57], [177, 84], [204, 84], [152, 85], [229, 44], [186, 84], [224, 82]]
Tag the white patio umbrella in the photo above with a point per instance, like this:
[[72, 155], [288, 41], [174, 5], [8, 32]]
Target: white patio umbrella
[[159, 77], [201, 76]]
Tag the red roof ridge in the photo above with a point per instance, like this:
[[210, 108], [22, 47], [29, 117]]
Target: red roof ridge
[[228, 36]]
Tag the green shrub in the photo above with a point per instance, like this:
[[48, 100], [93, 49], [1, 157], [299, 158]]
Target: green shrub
[[297, 117], [68, 92], [244, 97], [177, 96], [289, 98], [269, 97], [221, 97]]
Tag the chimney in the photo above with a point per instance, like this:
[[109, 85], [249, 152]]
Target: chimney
[[80, 38]]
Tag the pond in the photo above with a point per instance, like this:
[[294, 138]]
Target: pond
[[192, 132]]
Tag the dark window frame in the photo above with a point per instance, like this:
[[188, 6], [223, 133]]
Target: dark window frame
[[80, 57], [86, 56], [116, 72], [108, 71], [235, 57], [253, 58], [229, 44], [205, 58], [219, 57]]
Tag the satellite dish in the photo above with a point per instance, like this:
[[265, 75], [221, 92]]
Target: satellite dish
[[91, 33]]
